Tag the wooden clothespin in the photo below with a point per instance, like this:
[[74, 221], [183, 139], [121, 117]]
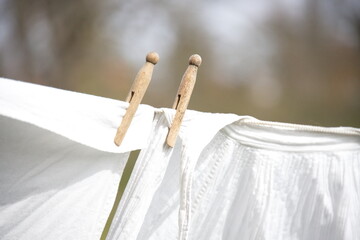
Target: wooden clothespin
[[136, 94], [183, 97]]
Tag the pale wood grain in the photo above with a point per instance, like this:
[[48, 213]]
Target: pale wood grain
[[183, 97], [136, 94]]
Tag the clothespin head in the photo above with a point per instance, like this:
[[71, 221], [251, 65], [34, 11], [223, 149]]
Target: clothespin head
[[183, 98], [136, 94]]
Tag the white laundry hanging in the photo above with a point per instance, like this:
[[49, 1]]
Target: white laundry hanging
[[145, 179], [59, 167], [228, 177], [153, 197], [249, 180], [86, 119], [51, 187], [264, 181]]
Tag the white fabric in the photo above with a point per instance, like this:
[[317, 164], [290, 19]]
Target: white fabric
[[146, 177], [228, 177], [250, 180], [51, 187], [87, 119], [258, 182], [59, 167], [144, 194]]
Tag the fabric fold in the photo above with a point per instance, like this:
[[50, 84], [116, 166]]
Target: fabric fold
[[87, 119], [196, 132], [145, 179]]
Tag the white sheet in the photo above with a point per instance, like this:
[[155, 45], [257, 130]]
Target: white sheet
[[87, 119], [59, 167], [51, 187]]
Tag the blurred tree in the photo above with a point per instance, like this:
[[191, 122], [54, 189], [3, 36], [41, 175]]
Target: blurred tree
[[317, 66], [51, 38]]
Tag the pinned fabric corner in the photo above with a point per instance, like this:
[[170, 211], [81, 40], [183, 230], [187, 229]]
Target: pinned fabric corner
[[83, 118], [59, 167]]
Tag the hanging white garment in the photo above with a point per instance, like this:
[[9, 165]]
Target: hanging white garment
[[59, 167], [151, 207], [260, 180], [250, 180]]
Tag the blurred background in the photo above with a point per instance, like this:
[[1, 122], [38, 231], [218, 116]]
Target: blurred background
[[282, 60]]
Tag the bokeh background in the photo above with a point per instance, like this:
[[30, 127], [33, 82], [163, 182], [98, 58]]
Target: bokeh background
[[281, 60]]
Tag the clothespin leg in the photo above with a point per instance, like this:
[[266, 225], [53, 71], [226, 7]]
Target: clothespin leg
[[136, 94], [183, 97]]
